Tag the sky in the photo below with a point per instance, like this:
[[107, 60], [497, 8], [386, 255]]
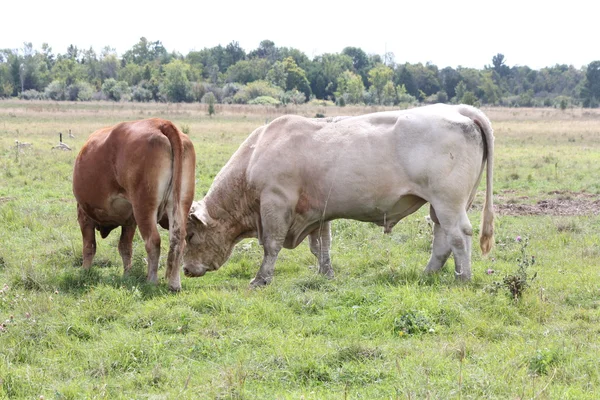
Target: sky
[[447, 33]]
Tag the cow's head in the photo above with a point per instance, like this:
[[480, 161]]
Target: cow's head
[[208, 245]]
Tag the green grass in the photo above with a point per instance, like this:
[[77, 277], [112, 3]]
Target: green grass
[[380, 329]]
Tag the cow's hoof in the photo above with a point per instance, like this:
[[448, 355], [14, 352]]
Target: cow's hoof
[[328, 273], [259, 282], [175, 289]]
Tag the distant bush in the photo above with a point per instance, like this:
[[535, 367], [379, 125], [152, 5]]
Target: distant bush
[[265, 101], [256, 89], [56, 90], [32, 94], [116, 90], [293, 96], [80, 91], [141, 94]]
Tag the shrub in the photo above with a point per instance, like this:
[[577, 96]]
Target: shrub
[[141, 94], [209, 98], [32, 94], [413, 322], [265, 100], [518, 282], [256, 89], [56, 90], [116, 90], [293, 96], [80, 91], [540, 363]]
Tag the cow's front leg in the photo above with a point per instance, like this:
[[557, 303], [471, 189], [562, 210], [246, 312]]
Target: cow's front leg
[[320, 246], [267, 268], [275, 221]]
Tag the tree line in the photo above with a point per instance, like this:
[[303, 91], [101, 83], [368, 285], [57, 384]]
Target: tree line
[[281, 75]]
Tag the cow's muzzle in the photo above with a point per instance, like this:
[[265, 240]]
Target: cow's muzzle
[[194, 271]]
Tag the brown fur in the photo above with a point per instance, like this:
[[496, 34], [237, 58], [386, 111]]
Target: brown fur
[[137, 173]]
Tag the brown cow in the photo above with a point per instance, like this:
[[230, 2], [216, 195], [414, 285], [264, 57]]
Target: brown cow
[[136, 173]]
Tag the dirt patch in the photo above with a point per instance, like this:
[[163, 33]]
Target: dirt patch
[[557, 203]]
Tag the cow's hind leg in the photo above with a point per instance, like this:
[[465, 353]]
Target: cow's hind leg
[[320, 246], [88, 233], [126, 244], [441, 248], [458, 232], [176, 247], [147, 224]]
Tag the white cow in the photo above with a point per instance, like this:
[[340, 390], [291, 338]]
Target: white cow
[[290, 178]]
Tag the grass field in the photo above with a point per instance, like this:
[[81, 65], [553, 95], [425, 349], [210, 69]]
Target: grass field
[[380, 329]]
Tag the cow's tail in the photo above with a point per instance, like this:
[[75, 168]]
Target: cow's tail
[[486, 236], [177, 224]]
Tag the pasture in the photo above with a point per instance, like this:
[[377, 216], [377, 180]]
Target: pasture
[[380, 329]]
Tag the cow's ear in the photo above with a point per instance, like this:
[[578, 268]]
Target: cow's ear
[[199, 214]]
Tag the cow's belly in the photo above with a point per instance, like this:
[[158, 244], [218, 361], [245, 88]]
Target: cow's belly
[[116, 210], [383, 213]]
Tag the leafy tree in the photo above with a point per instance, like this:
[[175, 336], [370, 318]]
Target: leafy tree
[[379, 76], [590, 93], [277, 75], [491, 92], [389, 94], [449, 78], [246, 71], [461, 89], [469, 98], [499, 65], [360, 62], [109, 64], [296, 77], [68, 70], [6, 86], [132, 73], [176, 83], [350, 87], [325, 71], [232, 54], [403, 76], [404, 97], [299, 57], [144, 52], [267, 50], [426, 78]]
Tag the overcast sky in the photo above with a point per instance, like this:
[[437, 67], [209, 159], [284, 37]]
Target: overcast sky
[[446, 33]]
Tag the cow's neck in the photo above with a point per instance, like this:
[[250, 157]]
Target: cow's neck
[[228, 201]]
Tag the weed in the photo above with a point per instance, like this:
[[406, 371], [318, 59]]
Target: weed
[[518, 282], [542, 360], [185, 128], [413, 323]]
